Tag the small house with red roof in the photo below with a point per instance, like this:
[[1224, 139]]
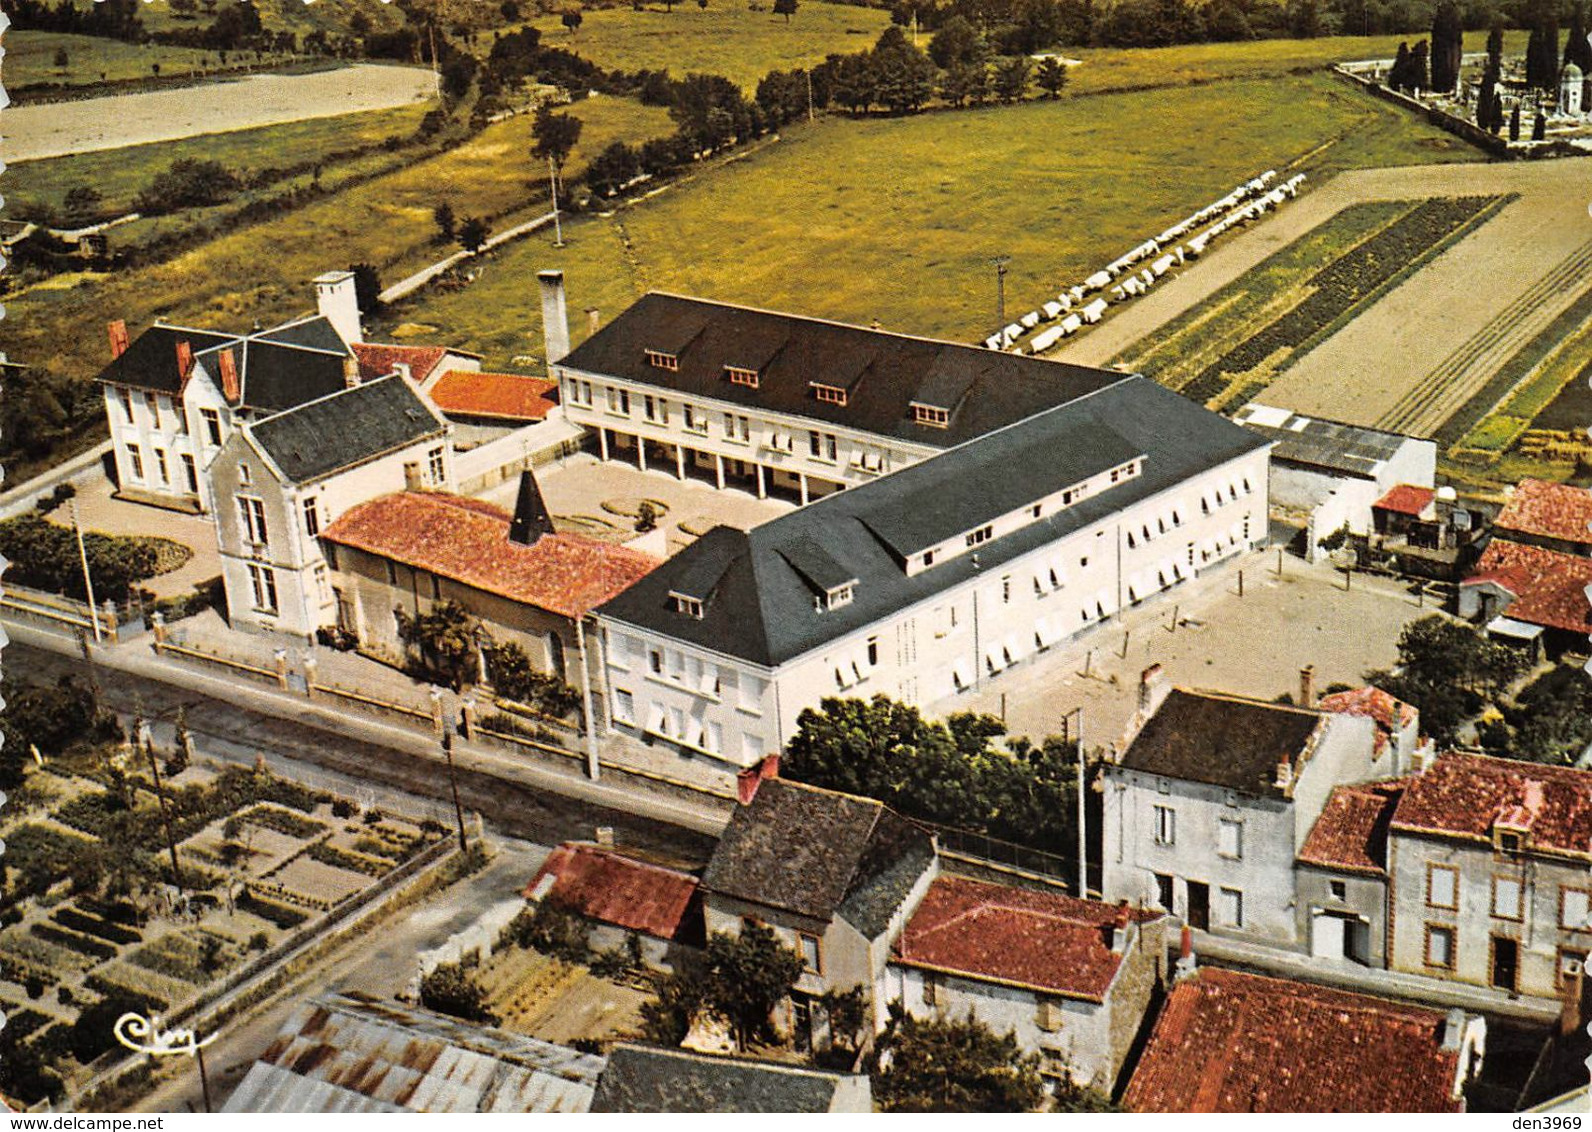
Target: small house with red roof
[[1553, 516], [1227, 1041], [619, 895], [1070, 979], [1531, 595], [1490, 874], [1341, 874], [523, 581]]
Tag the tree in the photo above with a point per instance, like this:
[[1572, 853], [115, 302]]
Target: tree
[[1011, 79], [451, 989], [82, 203], [62, 59], [444, 637], [1576, 48], [44, 555], [1484, 102], [1304, 19], [1447, 45], [556, 135], [748, 975], [1449, 671], [613, 168], [904, 76], [1225, 22], [1051, 76], [1539, 128], [188, 182], [472, 234], [848, 1020], [951, 1065], [957, 41], [786, 8], [1497, 122], [572, 19], [1418, 78], [1514, 123], [367, 288], [1398, 74], [443, 216]]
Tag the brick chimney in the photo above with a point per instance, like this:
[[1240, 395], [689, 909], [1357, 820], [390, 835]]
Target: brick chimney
[[1186, 964], [184, 359], [1153, 689], [1307, 686], [769, 767], [118, 332], [555, 315], [350, 372], [230, 389], [747, 782], [1119, 929]]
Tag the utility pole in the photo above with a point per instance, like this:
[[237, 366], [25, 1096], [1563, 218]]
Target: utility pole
[[453, 783], [809, 94], [1083, 838], [148, 739], [1000, 263], [552, 180], [88, 580]]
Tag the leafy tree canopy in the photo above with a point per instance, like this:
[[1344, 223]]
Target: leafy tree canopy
[[951, 1065]]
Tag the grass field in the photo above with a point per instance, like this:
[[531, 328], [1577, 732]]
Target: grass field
[[725, 38], [263, 270], [30, 59], [897, 219], [120, 174]]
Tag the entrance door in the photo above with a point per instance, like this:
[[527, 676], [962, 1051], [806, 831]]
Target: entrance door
[[1357, 946], [1199, 905], [1505, 963], [1327, 936]]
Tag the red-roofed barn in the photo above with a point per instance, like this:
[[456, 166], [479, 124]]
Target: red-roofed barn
[[620, 894]]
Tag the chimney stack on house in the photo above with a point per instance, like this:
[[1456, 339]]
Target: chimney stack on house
[[1571, 1001], [1285, 777], [555, 315], [605, 836], [184, 359], [1153, 690], [118, 332], [748, 780], [1307, 686], [1119, 929], [350, 372], [594, 320], [1185, 956], [338, 304], [230, 389]]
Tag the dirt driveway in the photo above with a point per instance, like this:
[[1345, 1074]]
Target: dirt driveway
[[28, 133]]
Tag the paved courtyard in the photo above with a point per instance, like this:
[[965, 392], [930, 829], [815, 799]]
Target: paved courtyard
[[98, 511], [1253, 645]]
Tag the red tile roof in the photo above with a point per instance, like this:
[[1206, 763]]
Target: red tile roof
[[1040, 941], [1462, 796], [1552, 510], [612, 888], [1406, 499], [378, 359], [1549, 587], [1231, 1042], [467, 541], [1351, 833], [1390, 714], [502, 396]]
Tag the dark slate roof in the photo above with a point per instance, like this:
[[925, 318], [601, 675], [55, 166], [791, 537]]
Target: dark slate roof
[[274, 376], [644, 1079], [313, 333], [1221, 741], [883, 373], [150, 361], [761, 608], [1351, 449], [346, 428], [818, 853]]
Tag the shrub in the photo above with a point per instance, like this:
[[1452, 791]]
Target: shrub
[[552, 929], [188, 183], [342, 808], [83, 945], [259, 941], [34, 985], [112, 933], [282, 915], [450, 989]]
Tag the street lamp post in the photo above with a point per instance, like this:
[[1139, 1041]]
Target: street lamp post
[[1000, 263]]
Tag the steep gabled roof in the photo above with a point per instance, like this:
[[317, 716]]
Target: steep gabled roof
[[818, 853], [1222, 740], [1350, 835], [762, 609], [644, 1079], [1548, 510], [150, 361], [883, 373], [499, 396], [1464, 796], [378, 359], [314, 332], [1231, 1042], [1040, 941], [346, 428], [613, 888], [274, 376]]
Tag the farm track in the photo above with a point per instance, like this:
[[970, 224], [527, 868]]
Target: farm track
[[1424, 408]]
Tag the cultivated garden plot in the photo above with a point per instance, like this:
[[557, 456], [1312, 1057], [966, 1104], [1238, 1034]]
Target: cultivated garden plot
[[97, 922]]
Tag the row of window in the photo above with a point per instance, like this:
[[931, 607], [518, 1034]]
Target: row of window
[[1229, 832], [135, 460], [1508, 898], [824, 446], [156, 406], [1229, 901], [679, 726]]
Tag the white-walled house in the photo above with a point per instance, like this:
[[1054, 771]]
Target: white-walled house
[[937, 578], [1070, 979], [1213, 796], [279, 481], [771, 402]]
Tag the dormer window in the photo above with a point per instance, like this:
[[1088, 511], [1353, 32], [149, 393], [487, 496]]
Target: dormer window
[[1507, 840], [690, 606], [657, 359], [829, 394], [930, 415], [982, 535], [835, 597], [739, 376]]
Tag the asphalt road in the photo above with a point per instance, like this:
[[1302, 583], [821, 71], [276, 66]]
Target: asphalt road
[[362, 770]]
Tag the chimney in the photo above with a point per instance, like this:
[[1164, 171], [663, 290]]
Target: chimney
[[118, 332], [350, 371], [594, 319], [605, 836], [1119, 929], [1571, 989], [412, 476], [555, 317], [1185, 956], [531, 519], [1153, 689], [184, 359], [230, 389], [338, 304], [1285, 777], [746, 784], [1307, 686], [1454, 1029], [769, 767]]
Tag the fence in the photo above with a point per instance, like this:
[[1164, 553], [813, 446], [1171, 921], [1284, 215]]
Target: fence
[[980, 849], [56, 611]]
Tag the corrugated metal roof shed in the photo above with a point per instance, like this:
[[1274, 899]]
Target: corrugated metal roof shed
[[348, 1053]]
